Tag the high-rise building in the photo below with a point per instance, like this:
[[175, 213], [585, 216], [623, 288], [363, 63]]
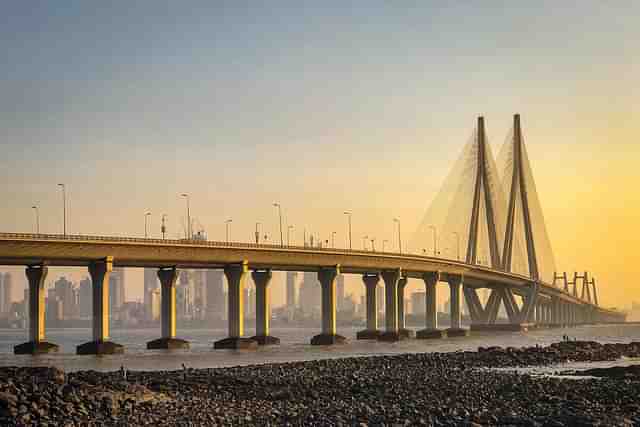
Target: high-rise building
[[200, 294], [292, 277], [309, 295], [380, 298], [151, 283], [85, 303], [249, 300], [65, 292], [215, 294], [116, 290], [418, 303], [340, 302], [154, 305], [6, 290]]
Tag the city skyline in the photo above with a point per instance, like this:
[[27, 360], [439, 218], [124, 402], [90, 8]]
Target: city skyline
[[259, 115]]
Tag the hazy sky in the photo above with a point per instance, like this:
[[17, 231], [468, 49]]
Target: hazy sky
[[322, 107]]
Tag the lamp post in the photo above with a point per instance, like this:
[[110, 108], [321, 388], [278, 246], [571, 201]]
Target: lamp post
[[373, 245], [146, 217], [163, 227], [35, 209], [280, 216], [188, 231], [64, 209], [435, 239], [384, 243], [349, 222], [257, 234], [333, 239], [399, 235], [457, 244], [227, 224], [289, 228]]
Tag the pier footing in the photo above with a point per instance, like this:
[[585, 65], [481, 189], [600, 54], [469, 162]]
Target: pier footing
[[328, 339], [99, 347], [457, 332], [427, 334], [32, 347], [509, 327], [235, 343], [167, 344], [368, 334], [391, 336], [407, 333]]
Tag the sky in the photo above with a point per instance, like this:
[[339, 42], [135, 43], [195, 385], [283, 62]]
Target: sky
[[322, 107]]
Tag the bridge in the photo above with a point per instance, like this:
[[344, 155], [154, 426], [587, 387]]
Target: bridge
[[510, 234]]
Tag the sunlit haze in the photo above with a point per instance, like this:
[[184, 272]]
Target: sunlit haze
[[322, 108]]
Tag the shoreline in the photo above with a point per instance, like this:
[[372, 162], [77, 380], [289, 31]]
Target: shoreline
[[409, 389]]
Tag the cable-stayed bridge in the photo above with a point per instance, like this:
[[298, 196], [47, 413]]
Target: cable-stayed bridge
[[488, 210]]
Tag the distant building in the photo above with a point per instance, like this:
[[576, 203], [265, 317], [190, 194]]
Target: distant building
[[418, 303], [6, 291], [151, 283], [154, 305], [200, 294], [340, 301], [380, 298], [116, 290], [66, 293], [309, 295], [292, 277], [215, 294], [85, 303], [249, 300]]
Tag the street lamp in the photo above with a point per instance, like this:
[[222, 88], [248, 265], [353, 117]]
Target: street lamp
[[163, 227], [289, 228], [146, 216], [373, 245], [257, 234], [64, 209], [399, 236], [228, 223], [349, 220], [384, 243], [435, 239], [333, 239], [280, 216], [35, 209], [188, 231], [457, 244]]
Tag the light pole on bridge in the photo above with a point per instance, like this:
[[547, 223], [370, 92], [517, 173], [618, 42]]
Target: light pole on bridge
[[35, 209], [435, 240], [289, 228], [257, 234], [348, 213], [188, 230], [399, 235], [163, 227], [280, 216], [384, 242], [64, 209], [146, 218], [228, 224], [333, 239]]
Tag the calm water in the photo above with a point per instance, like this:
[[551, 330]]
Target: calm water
[[295, 347]]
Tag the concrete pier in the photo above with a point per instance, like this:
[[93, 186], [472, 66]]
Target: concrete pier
[[431, 306], [99, 272], [402, 329], [455, 286], [391, 278], [236, 275], [261, 279], [327, 278], [37, 344], [371, 285], [168, 340]]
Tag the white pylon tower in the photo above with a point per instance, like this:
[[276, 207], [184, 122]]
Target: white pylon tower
[[482, 187], [519, 188]]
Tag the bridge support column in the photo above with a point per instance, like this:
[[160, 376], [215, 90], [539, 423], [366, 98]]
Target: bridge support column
[[455, 286], [327, 278], [236, 275], [371, 284], [391, 279], [261, 279], [99, 272], [36, 276], [431, 316], [168, 340], [402, 327]]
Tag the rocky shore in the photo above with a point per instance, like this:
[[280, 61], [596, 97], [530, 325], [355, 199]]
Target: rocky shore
[[414, 389]]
